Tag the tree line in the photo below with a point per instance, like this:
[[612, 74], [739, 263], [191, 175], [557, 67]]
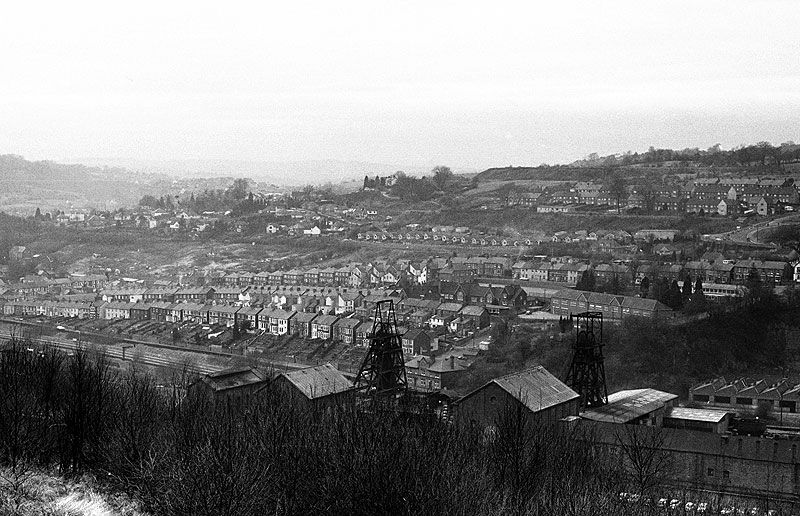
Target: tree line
[[759, 154], [191, 455], [236, 197]]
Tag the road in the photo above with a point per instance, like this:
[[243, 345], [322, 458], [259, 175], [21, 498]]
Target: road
[[749, 235]]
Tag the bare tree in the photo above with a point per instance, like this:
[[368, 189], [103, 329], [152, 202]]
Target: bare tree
[[646, 462]]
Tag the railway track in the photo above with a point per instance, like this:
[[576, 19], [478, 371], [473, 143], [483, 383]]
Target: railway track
[[127, 354]]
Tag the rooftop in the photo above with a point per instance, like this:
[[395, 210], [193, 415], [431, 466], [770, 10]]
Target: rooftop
[[536, 388], [625, 406], [694, 414], [233, 378], [319, 381]]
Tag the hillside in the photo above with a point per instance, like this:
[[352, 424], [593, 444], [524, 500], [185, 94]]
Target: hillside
[[26, 185]]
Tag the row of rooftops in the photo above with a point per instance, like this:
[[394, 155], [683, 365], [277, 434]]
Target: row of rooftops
[[313, 382], [597, 298], [726, 265], [748, 388]]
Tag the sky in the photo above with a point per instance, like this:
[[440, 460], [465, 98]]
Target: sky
[[470, 85]]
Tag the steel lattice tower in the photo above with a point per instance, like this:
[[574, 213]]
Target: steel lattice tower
[[587, 372], [383, 371]]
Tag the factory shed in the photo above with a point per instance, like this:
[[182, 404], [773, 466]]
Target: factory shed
[[314, 387], [636, 407], [699, 420], [533, 393]]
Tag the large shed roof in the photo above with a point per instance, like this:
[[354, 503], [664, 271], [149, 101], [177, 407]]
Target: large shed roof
[[625, 406], [318, 381]]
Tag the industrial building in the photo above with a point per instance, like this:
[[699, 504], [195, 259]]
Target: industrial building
[[534, 393]]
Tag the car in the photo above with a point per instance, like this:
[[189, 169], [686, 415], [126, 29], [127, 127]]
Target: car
[[674, 504], [702, 507], [59, 327], [689, 506], [662, 502]]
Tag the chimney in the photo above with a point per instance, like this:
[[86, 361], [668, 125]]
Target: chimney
[[452, 361]]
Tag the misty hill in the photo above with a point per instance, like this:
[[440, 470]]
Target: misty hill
[[541, 173], [281, 173], [760, 156], [25, 185]]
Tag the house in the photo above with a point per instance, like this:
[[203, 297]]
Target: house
[[140, 311], [247, 317], [769, 272], [567, 302], [477, 314], [280, 321], [461, 326], [311, 276], [430, 374], [533, 394], [159, 311], [223, 314], [481, 295], [159, 294], [362, 333], [449, 309], [416, 342], [232, 387], [322, 327], [327, 276], [194, 294], [344, 330], [314, 388], [664, 250], [227, 294], [348, 302], [764, 206], [113, 310], [606, 273], [194, 312]]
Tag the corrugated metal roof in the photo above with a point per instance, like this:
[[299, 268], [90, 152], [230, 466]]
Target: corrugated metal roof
[[319, 381], [536, 388], [625, 406], [231, 378], [693, 414]]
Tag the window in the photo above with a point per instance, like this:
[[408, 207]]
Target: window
[[710, 472], [726, 474]]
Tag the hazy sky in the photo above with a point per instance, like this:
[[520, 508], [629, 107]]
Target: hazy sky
[[415, 83]]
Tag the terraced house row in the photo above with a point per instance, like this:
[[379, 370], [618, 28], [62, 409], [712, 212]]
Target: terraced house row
[[718, 271], [570, 302], [303, 320]]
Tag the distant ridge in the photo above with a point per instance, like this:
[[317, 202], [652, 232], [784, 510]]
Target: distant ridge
[[281, 173]]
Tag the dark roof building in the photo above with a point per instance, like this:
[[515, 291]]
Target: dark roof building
[[314, 387], [230, 385], [534, 393]]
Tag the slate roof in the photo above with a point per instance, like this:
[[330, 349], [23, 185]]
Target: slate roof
[[536, 388], [319, 381], [232, 378]]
